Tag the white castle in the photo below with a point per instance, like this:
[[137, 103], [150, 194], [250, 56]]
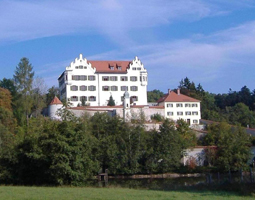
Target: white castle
[[93, 82], [88, 85]]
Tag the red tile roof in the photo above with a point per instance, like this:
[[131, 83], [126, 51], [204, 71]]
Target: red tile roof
[[55, 101], [104, 66], [173, 97]]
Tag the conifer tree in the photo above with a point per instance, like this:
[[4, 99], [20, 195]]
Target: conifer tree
[[111, 102]]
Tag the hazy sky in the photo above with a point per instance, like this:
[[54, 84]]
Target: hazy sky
[[210, 42]]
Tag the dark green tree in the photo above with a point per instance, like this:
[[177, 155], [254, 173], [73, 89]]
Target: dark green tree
[[154, 95], [23, 79], [111, 102]]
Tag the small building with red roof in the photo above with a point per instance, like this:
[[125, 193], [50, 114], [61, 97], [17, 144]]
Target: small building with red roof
[[179, 106]]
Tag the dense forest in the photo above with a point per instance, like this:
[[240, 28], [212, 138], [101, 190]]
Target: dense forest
[[235, 107], [35, 150]]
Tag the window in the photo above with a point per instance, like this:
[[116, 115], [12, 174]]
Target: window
[[74, 88], [76, 67], [91, 78], [91, 88], [83, 88], [75, 77], [80, 67], [179, 113], [66, 78], [83, 78], [179, 105], [195, 121], [105, 78], [105, 88], [138, 68], [123, 78], [187, 105], [194, 105], [119, 68], [74, 98], [133, 88], [144, 78], [188, 113], [124, 88], [134, 68], [194, 113], [134, 98], [92, 98], [169, 105], [114, 88], [113, 78], [170, 113], [133, 78], [83, 98], [111, 67]]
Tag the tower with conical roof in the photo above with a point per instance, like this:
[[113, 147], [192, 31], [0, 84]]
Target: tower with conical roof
[[53, 107], [126, 106]]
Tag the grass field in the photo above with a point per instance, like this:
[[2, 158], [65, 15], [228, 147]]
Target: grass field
[[73, 193]]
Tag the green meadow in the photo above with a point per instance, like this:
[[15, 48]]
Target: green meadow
[[73, 193]]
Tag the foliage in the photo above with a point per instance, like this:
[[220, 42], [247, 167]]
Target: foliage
[[154, 95], [157, 117], [111, 102], [187, 136], [23, 79], [51, 93], [5, 99], [233, 145]]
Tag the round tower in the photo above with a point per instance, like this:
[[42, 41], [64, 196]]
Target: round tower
[[126, 106], [53, 107]]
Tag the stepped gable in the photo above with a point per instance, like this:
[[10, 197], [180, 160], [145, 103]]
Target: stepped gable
[[176, 97], [55, 101], [110, 66]]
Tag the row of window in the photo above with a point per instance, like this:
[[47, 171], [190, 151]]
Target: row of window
[[181, 105], [83, 88], [83, 77], [115, 78], [93, 98], [138, 68], [80, 67], [83, 98], [181, 113], [104, 88]]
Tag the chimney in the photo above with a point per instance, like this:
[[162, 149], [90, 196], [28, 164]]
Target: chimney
[[169, 91], [178, 91]]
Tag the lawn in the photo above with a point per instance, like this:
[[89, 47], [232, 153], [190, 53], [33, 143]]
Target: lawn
[[73, 193]]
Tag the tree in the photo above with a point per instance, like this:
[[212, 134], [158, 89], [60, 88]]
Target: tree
[[52, 92], [23, 79], [232, 143], [166, 148], [38, 96], [5, 99], [187, 136], [154, 95], [111, 102]]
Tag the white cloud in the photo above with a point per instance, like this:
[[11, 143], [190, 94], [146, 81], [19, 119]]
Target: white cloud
[[25, 20]]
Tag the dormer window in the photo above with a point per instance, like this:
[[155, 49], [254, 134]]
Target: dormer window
[[119, 68], [111, 67]]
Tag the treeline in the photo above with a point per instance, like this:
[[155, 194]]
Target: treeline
[[27, 95], [71, 151], [235, 107], [35, 150]]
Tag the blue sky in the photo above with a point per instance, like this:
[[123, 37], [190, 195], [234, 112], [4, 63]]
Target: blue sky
[[211, 42]]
